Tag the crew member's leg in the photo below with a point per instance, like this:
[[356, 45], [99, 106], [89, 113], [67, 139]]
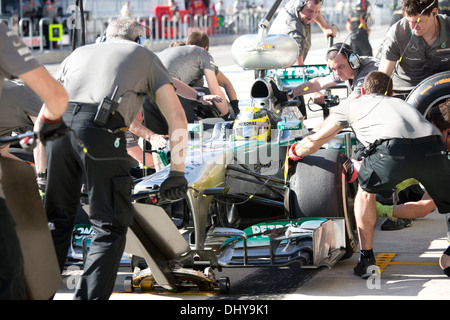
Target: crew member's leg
[[109, 185]]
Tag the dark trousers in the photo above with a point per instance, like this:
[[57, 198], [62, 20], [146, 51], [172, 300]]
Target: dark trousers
[[12, 284], [396, 160], [106, 169], [359, 41]]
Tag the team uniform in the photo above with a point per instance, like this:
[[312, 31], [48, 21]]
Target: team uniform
[[419, 60], [405, 145], [17, 104], [185, 63], [89, 74], [359, 39], [288, 22], [15, 59]]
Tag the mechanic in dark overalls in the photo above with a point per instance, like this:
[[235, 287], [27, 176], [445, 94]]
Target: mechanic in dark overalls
[[96, 147], [16, 60], [357, 25]]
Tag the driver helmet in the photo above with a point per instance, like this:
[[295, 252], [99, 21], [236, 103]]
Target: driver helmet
[[252, 124]]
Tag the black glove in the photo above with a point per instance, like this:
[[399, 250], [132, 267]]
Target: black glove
[[281, 96], [227, 117], [51, 129], [174, 187], [235, 106]]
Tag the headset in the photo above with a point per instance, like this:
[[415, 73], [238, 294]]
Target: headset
[[353, 59], [139, 39]]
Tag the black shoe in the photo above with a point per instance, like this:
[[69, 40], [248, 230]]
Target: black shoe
[[408, 222], [362, 267], [390, 225]]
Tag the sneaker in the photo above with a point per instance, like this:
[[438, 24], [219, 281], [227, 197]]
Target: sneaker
[[363, 269], [398, 224], [408, 222]]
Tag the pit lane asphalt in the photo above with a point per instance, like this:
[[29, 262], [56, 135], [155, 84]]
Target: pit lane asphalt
[[408, 258]]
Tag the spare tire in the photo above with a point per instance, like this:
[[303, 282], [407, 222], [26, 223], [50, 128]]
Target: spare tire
[[430, 92], [319, 188]]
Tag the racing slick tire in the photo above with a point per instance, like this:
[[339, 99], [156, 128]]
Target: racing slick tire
[[429, 92], [319, 189]]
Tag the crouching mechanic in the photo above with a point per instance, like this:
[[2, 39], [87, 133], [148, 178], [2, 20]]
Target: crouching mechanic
[[439, 116], [97, 148], [394, 153]]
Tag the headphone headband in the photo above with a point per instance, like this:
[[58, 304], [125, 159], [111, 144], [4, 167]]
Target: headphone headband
[[352, 57], [342, 47]]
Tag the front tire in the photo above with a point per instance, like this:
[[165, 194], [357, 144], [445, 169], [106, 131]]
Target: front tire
[[319, 188]]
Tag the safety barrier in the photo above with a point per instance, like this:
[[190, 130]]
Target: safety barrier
[[161, 28], [165, 28]]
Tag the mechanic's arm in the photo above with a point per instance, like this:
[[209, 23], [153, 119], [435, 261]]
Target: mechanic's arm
[[387, 66], [225, 83], [310, 144], [49, 90], [214, 88], [40, 162], [314, 85], [190, 93], [348, 26], [138, 128], [172, 110], [326, 28]]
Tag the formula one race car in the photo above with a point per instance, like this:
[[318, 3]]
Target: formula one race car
[[250, 204]]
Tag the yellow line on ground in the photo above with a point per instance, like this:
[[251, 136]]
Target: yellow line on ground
[[416, 263], [385, 259]]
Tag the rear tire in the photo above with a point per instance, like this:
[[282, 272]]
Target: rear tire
[[319, 189]]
